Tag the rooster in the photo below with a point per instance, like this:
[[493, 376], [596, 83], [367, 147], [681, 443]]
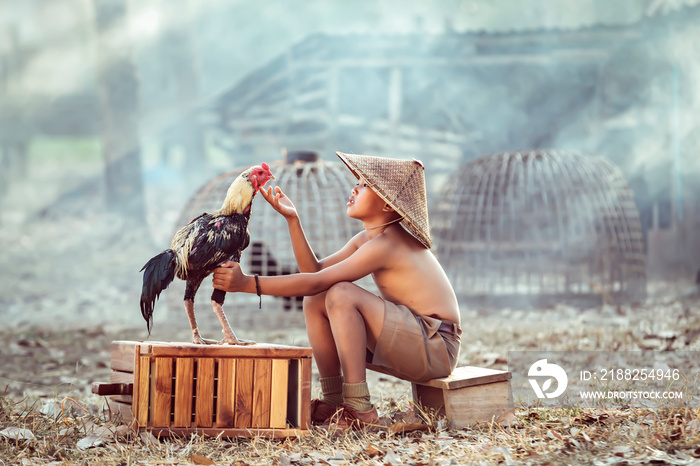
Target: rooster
[[201, 246]]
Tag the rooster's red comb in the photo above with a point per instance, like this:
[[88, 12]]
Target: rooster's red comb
[[266, 167]]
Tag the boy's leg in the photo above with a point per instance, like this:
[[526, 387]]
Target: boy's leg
[[320, 335], [321, 340], [340, 329], [356, 317]]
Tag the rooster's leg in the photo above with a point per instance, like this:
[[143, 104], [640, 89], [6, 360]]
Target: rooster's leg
[[190, 290], [217, 303]]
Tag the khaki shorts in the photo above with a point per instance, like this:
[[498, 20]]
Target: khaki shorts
[[414, 347]]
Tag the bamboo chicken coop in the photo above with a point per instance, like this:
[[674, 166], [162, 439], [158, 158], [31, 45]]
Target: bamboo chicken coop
[[319, 190], [539, 228]]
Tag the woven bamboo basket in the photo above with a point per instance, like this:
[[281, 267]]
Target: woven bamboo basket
[[540, 228]]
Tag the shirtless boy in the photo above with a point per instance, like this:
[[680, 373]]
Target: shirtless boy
[[411, 328]]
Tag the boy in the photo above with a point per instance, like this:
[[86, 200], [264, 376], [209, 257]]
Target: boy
[[412, 328]]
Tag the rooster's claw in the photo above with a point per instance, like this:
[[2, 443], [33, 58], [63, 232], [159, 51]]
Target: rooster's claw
[[236, 341]]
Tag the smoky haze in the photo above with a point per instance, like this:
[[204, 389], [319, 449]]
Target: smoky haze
[[178, 92]]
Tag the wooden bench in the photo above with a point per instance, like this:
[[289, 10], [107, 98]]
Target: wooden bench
[[468, 396]]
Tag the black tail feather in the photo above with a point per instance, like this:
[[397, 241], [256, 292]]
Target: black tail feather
[[158, 273]]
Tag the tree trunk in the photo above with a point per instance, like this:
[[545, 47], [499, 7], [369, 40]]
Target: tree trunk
[[120, 111], [180, 61]]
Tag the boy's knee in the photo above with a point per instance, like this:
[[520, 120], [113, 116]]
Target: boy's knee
[[340, 293]]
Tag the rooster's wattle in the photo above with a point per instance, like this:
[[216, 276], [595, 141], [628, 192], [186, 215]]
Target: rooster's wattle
[[201, 246]]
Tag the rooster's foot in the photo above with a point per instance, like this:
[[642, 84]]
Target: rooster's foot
[[236, 341], [198, 340]]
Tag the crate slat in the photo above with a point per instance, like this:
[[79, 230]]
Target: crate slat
[[184, 374], [122, 355], [260, 350], [244, 393], [262, 391], [305, 393], [143, 392], [122, 411], [231, 432], [278, 395], [204, 404], [163, 392], [226, 393]]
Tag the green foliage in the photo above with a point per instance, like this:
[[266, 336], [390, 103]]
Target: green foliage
[[65, 150]]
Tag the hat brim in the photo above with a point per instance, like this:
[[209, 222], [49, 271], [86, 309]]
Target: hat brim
[[373, 180]]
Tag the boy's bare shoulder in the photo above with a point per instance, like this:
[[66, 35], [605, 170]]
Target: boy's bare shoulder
[[359, 239], [393, 242]]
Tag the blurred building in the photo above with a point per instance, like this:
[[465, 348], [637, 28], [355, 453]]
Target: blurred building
[[617, 79]]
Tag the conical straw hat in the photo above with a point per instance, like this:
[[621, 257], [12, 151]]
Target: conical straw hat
[[401, 184]]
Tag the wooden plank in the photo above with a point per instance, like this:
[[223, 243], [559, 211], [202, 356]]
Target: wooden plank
[[122, 377], [278, 396], [122, 355], [226, 393], [261, 350], [142, 390], [244, 392], [120, 412], [305, 393], [262, 392], [204, 405], [104, 389], [230, 433], [465, 376], [468, 376], [293, 393], [478, 404], [163, 392], [184, 375], [137, 389], [430, 399]]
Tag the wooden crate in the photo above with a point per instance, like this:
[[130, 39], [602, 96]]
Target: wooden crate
[[171, 388], [468, 396]]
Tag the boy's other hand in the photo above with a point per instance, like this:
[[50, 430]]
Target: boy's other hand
[[229, 277], [280, 202]]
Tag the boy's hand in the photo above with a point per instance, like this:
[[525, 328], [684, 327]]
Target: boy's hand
[[280, 202], [229, 277]]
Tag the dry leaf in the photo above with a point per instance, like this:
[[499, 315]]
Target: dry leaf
[[507, 419], [371, 452], [16, 433], [402, 428], [199, 459], [392, 458], [621, 450], [90, 442]]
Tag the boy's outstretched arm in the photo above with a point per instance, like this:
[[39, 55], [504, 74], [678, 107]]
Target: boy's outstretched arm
[[304, 255], [366, 260]]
